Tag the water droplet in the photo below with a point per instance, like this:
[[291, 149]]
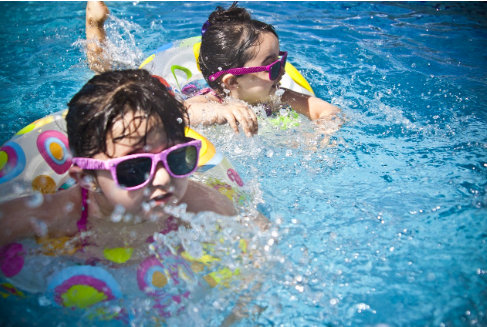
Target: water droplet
[[18, 188], [146, 207], [117, 213], [40, 227], [35, 200], [44, 301], [128, 217], [158, 238], [68, 207]]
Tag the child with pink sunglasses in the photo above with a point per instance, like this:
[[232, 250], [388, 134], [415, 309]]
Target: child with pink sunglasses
[[242, 63], [131, 158]]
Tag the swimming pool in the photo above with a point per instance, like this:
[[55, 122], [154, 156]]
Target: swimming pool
[[383, 224]]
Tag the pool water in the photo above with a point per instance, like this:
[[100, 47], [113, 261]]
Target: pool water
[[383, 223]]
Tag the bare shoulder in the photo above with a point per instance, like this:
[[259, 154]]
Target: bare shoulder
[[201, 198]]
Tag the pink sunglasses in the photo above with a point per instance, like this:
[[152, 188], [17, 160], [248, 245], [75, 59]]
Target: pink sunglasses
[[274, 69], [135, 171]]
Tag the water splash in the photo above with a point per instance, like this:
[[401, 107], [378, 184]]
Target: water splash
[[120, 47]]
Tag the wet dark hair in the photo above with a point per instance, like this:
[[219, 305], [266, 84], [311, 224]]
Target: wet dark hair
[[225, 44], [106, 98]]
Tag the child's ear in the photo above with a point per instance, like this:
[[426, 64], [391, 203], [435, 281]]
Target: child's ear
[[230, 82], [83, 179]]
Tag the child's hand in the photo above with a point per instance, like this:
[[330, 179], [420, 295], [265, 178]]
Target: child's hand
[[96, 12], [238, 113], [329, 124]]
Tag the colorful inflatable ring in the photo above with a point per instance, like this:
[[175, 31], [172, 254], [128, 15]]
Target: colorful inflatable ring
[[37, 159], [177, 62]]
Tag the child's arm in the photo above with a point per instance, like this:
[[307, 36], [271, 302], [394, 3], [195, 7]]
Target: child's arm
[[312, 107], [205, 109], [56, 215], [96, 14], [201, 198]]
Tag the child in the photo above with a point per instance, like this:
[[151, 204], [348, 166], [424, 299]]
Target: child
[[126, 133], [232, 40]]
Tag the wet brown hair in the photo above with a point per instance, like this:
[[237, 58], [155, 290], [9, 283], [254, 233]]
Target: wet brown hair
[[226, 42], [106, 98]]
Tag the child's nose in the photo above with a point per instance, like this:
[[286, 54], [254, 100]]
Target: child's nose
[[161, 176]]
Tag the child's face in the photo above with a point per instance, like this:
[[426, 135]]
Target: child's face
[[162, 189], [256, 88]]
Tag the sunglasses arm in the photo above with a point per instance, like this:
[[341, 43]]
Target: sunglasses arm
[[91, 164]]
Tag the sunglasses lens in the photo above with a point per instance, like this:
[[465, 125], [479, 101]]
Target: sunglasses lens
[[275, 70], [133, 172], [183, 160]]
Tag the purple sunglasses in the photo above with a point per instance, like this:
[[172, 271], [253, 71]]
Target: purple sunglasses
[[274, 69], [135, 171]]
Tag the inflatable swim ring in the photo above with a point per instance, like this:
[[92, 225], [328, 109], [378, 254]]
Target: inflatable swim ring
[[177, 63], [29, 268], [37, 159]]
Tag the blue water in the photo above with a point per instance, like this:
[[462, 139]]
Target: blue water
[[382, 224]]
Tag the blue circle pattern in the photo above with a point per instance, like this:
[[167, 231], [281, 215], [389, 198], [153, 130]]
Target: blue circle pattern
[[19, 168]]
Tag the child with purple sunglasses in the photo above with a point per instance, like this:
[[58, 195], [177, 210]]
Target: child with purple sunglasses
[[242, 63], [241, 56], [131, 157]]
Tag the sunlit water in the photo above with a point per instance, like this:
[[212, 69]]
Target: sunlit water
[[382, 224]]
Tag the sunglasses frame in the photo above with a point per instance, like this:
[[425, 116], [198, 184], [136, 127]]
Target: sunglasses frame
[[250, 70], [111, 164]]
